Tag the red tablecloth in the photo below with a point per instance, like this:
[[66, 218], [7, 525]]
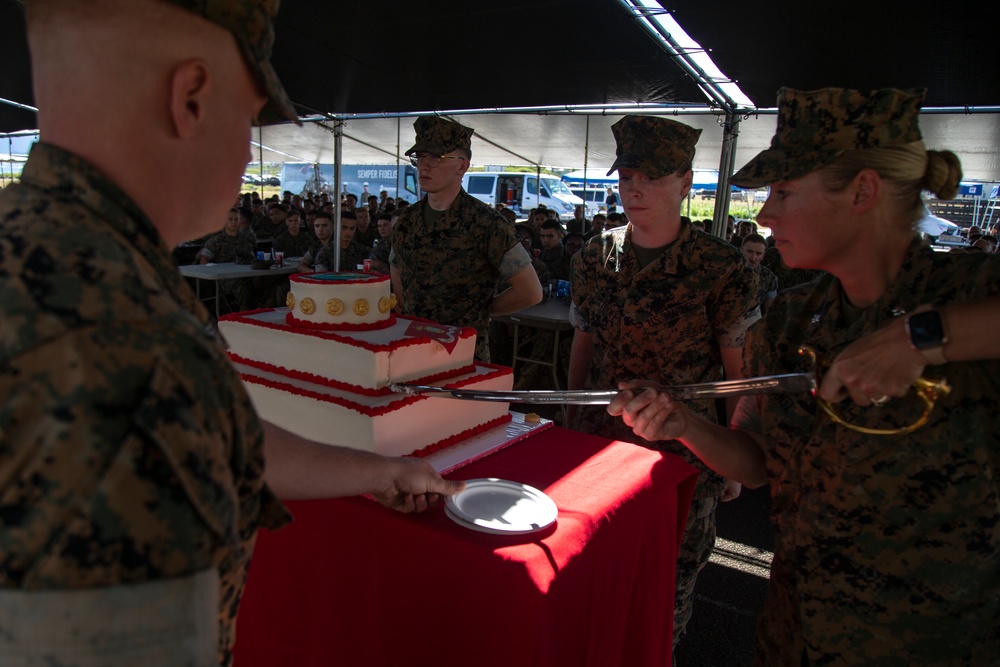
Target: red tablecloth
[[352, 583]]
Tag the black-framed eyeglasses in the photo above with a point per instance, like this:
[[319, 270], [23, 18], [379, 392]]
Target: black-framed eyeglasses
[[432, 160]]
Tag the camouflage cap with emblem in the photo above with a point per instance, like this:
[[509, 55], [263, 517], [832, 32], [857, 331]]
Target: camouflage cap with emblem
[[437, 136], [251, 24], [652, 145], [816, 126]]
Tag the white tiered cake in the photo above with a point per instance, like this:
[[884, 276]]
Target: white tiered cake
[[320, 368]]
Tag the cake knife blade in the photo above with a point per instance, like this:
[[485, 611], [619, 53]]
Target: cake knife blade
[[768, 384]]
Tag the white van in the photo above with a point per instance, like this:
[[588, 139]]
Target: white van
[[520, 191], [596, 195]]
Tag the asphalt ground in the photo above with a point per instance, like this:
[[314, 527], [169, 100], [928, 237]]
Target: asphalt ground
[[729, 595]]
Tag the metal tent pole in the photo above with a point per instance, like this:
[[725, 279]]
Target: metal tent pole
[[730, 131], [338, 149], [586, 163], [260, 160]]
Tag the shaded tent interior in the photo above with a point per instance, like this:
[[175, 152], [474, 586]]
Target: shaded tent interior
[[400, 57]]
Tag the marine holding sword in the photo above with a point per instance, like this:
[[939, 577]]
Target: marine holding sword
[[888, 545], [657, 299]]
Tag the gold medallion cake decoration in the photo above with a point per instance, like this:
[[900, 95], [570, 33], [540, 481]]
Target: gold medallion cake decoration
[[290, 301], [361, 307], [334, 306], [307, 306], [384, 305]]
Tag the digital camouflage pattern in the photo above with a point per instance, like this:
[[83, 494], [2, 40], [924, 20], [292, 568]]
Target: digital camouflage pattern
[[350, 257], [129, 450], [251, 22], [380, 255], [816, 126], [450, 269], [265, 228], [887, 547], [666, 323], [310, 257], [225, 248], [557, 262], [787, 277], [249, 235], [653, 145], [437, 136], [293, 246], [237, 249], [768, 283]]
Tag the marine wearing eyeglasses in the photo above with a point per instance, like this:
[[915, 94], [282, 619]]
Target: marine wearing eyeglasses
[[450, 251]]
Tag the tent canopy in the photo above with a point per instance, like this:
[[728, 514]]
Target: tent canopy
[[360, 61]]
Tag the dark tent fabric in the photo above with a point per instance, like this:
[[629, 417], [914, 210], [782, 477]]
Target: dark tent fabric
[[399, 56]]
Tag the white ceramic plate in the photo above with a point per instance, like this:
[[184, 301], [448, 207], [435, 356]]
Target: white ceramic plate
[[500, 506]]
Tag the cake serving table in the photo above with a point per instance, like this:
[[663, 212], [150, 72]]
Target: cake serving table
[[352, 583]]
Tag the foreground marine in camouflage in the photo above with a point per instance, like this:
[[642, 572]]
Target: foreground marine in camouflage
[[887, 547], [450, 251], [659, 300], [132, 480]]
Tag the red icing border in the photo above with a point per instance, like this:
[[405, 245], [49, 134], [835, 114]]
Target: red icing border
[[344, 386], [369, 411], [246, 318], [310, 278], [293, 321], [458, 437]]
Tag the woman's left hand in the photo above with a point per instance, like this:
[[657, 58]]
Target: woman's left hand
[[874, 368]]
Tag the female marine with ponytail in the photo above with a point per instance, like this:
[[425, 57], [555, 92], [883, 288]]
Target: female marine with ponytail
[[885, 499]]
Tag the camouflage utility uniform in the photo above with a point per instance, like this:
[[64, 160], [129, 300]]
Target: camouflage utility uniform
[[787, 277], [557, 261], [450, 269], [130, 451], [350, 257], [380, 254], [225, 248], [314, 250], [293, 246], [665, 322], [888, 547], [768, 283], [237, 249]]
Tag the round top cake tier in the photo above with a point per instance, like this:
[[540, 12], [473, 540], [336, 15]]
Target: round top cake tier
[[342, 300]]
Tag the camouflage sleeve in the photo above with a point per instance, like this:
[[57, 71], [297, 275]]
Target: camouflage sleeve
[[147, 442], [580, 288], [748, 412], [400, 238], [211, 248], [735, 307], [309, 256], [498, 239], [769, 283], [244, 249], [514, 261], [325, 258]]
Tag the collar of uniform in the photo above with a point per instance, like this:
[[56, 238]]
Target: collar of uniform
[[911, 283], [907, 292], [671, 258], [449, 216]]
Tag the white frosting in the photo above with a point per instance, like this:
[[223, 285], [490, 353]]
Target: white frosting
[[409, 424], [340, 298], [265, 336]]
